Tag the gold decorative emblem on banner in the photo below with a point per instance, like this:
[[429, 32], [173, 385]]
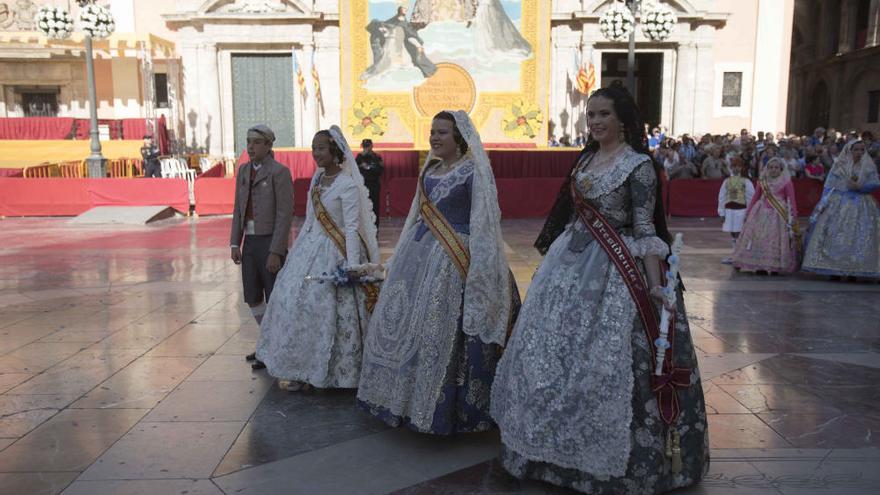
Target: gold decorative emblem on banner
[[450, 88]]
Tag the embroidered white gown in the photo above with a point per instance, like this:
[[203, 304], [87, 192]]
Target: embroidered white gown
[[313, 332]]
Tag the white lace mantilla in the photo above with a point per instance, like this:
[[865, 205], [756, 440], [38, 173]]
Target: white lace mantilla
[[613, 178]]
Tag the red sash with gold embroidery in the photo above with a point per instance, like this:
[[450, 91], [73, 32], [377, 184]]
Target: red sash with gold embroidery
[[443, 232], [371, 290], [662, 386]]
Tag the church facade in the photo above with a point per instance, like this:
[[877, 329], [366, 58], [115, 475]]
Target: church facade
[[234, 62]]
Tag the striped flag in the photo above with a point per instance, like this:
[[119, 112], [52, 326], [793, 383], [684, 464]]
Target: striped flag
[[316, 80], [586, 79], [300, 79]]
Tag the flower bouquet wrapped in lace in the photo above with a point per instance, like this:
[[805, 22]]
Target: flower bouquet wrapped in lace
[[54, 22], [97, 21]]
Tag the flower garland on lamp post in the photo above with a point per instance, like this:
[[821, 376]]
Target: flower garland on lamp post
[[618, 23], [95, 22]]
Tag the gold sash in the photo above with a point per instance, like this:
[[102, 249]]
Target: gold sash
[[783, 213], [371, 290], [443, 231]]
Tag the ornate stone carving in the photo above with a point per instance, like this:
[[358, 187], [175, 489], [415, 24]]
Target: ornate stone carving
[[6, 18], [256, 7], [25, 12]]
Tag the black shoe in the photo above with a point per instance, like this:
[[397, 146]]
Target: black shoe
[[251, 357], [258, 365]]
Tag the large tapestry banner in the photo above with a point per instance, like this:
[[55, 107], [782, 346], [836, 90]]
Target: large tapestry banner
[[403, 61]]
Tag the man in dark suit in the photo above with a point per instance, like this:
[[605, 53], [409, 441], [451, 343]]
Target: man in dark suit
[[371, 167], [261, 219], [150, 157]]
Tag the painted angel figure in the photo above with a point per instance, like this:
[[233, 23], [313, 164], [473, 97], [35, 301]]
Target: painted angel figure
[[395, 43]]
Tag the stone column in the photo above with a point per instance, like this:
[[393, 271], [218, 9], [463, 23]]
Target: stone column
[[771, 65], [563, 95], [209, 87], [846, 38], [327, 56], [685, 89], [704, 87], [874, 24], [307, 118]]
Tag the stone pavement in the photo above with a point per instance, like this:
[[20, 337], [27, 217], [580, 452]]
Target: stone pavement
[[121, 371]]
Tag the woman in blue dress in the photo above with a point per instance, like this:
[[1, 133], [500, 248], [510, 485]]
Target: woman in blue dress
[[844, 236], [448, 298]]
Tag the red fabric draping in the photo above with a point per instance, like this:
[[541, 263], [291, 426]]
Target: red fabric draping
[[511, 164], [699, 198], [82, 128], [807, 193], [68, 197], [11, 172], [517, 198], [36, 128], [527, 198], [300, 196], [694, 197], [400, 193], [214, 195], [398, 163], [137, 129]]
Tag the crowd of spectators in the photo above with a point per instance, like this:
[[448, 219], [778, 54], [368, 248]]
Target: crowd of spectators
[[711, 156]]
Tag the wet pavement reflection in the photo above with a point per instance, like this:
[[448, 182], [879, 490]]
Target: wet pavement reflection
[[122, 371]]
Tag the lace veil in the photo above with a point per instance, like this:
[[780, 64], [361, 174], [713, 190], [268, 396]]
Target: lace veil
[[844, 167], [487, 288], [367, 219]]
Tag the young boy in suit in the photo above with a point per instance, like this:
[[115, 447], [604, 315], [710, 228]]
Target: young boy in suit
[[261, 220]]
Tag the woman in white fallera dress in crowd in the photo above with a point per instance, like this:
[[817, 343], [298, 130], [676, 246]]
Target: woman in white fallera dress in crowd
[[312, 332]]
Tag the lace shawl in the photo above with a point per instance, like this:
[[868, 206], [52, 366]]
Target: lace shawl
[[487, 287], [366, 217], [563, 208]]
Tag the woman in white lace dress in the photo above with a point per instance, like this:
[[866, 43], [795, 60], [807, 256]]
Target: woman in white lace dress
[[448, 298], [574, 395], [312, 332]]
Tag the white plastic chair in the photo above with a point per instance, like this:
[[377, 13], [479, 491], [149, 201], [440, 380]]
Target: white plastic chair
[[182, 170], [166, 167]]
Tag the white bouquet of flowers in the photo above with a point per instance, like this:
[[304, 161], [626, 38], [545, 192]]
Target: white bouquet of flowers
[[658, 22], [97, 21], [54, 22], [617, 22]]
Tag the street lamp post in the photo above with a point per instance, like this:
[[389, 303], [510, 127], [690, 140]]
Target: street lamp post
[[631, 56], [620, 21], [97, 164]]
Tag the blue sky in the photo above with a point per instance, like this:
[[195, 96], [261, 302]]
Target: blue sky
[[383, 9]]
